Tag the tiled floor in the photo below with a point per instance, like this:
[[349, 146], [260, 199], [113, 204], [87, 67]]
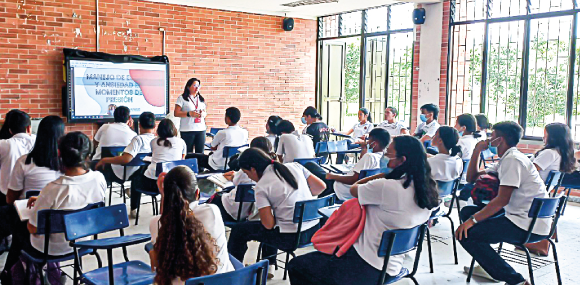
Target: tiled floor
[[446, 272]]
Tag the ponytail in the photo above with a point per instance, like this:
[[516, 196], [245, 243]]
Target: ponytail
[[367, 113], [259, 160], [450, 138], [165, 130], [456, 151]]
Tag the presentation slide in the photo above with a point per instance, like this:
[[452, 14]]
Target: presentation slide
[[98, 87]]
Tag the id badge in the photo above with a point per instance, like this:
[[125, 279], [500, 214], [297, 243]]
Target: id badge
[[197, 120]]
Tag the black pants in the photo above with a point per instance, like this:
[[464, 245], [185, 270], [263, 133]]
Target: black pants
[[194, 139], [320, 173], [2, 199], [202, 161], [20, 236], [319, 268], [217, 200], [141, 182]]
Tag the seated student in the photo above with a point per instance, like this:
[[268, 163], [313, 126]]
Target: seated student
[[558, 152], [139, 144], [467, 127], [400, 199], [118, 133], [233, 135], [391, 124], [505, 218], [226, 201], [189, 239], [271, 126], [359, 132], [165, 147], [278, 188], [292, 144], [316, 128], [426, 130], [5, 130], [483, 126], [447, 164]]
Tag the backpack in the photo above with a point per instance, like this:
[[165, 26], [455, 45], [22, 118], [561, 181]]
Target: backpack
[[486, 188]]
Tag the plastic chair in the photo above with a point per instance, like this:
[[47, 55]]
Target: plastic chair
[[554, 180], [321, 150], [487, 157], [303, 161], [244, 194], [569, 182], [368, 172], [236, 263], [255, 274], [52, 222], [102, 220], [395, 242], [304, 211], [550, 208], [110, 177], [230, 151], [213, 132]]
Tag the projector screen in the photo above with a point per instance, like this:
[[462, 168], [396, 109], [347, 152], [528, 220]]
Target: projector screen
[[96, 87]]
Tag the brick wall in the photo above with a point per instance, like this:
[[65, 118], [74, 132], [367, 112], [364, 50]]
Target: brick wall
[[244, 60]]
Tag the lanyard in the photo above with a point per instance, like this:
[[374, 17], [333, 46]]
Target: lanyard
[[195, 104]]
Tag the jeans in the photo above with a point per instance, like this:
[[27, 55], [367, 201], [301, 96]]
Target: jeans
[[202, 161], [194, 139], [142, 183], [495, 229], [20, 237], [319, 268], [242, 233], [315, 169], [340, 156]]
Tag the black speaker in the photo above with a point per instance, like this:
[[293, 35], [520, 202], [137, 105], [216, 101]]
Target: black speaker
[[419, 16], [288, 24]]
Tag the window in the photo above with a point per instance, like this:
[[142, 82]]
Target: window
[[511, 60]]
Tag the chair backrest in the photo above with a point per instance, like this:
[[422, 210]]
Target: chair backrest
[[427, 144], [52, 221], [368, 172], [138, 159], [401, 241], [306, 211], [303, 161], [31, 193], [112, 151], [96, 221], [445, 187], [230, 151], [255, 274], [554, 179], [544, 207], [214, 131], [341, 145], [465, 166], [332, 147], [487, 154], [321, 147], [245, 193], [167, 166]]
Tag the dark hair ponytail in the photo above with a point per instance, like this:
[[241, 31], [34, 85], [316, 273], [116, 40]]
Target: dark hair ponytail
[[450, 136], [186, 92], [312, 112], [259, 160], [470, 123], [45, 151], [165, 130], [559, 138], [74, 149], [367, 113]]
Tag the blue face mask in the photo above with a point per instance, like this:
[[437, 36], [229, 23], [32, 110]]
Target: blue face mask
[[385, 165], [423, 118], [491, 148], [303, 120], [461, 133]]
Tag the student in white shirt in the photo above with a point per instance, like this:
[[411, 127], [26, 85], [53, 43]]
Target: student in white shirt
[[426, 130], [233, 136], [558, 152], [469, 136], [394, 127], [505, 218], [165, 147], [189, 239], [278, 188], [139, 144], [483, 126], [271, 130], [5, 129], [447, 165], [358, 132], [118, 133], [293, 145], [191, 108], [400, 198]]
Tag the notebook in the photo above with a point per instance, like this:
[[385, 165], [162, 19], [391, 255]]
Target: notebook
[[220, 180], [24, 213]]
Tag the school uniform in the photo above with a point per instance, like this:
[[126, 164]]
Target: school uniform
[[514, 170], [272, 139], [319, 131], [445, 168], [358, 130], [394, 129], [230, 136], [467, 144], [10, 151], [209, 215], [272, 191], [294, 145], [30, 177], [226, 202], [193, 129], [425, 129], [114, 134], [389, 206], [368, 161], [548, 160], [139, 144]]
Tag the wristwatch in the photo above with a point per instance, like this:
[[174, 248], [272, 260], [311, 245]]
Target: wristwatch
[[473, 219], [188, 114]]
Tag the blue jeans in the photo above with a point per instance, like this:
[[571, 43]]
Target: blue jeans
[[494, 230]]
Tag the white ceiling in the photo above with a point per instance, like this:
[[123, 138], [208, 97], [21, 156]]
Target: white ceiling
[[274, 7]]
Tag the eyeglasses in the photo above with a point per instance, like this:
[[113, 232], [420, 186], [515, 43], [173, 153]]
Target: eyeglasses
[[195, 85]]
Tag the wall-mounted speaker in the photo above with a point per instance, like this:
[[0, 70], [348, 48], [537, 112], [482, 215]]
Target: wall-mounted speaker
[[288, 24], [419, 16]]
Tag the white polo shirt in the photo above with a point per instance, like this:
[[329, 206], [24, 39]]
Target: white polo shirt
[[271, 191], [294, 145], [425, 129], [368, 161], [10, 151], [30, 177], [548, 160], [188, 124], [229, 199], [209, 215], [389, 207], [467, 144], [516, 170], [114, 134], [360, 130], [230, 136], [272, 139], [66, 193], [164, 154], [394, 129], [445, 167], [139, 144]]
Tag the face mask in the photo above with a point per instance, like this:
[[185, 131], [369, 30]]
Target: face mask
[[370, 148], [461, 133], [423, 118], [385, 165], [303, 120], [491, 148]]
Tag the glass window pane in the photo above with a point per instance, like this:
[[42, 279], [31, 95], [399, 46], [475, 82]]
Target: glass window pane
[[576, 103], [402, 16], [467, 10], [330, 26], [376, 76], [507, 8], [400, 73], [543, 6], [351, 23], [377, 19]]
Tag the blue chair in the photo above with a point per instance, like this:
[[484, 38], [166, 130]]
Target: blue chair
[[102, 220], [230, 151], [554, 180], [137, 161], [255, 274], [487, 157], [244, 194], [213, 132], [548, 208], [303, 161], [110, 177], [304, 211], [321, 150], [395, 242], [236, 263], [569, 182], [368, 172], [52, 222]]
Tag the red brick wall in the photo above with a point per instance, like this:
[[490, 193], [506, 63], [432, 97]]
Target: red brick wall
[[244, 60]]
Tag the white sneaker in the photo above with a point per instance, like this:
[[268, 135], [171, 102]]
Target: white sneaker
[[271, 270], [480, 272], [523, 283], [133, 214]]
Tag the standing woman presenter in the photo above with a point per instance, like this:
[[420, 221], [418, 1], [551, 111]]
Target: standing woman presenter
[[191, 109]]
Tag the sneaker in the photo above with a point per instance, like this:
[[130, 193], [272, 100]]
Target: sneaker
[[133, 214], [271, 269], [128, 192], [523, 283], [480, 272]]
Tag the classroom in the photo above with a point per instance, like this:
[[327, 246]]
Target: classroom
[[291, 142]]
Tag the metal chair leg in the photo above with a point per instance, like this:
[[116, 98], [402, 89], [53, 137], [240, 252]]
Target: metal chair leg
[[123, 193], [470, 270], [286, 266], [556, 262], [429, 250], [110, 193], [137, 216], [414, 280], [454, 241], [530, 269], [259, 253]]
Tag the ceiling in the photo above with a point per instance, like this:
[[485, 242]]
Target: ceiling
[[275, 7]]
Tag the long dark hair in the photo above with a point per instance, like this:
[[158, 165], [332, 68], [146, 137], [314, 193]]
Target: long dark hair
[[186, 92], [5, 130], [185, 248], [469, 122], [416, 169], [450, 136], [259, 160], [45, 151], [273, 122], [367, 113], [74, 149], [262, 143], [312, 112], [165, 130], [559, 138]]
